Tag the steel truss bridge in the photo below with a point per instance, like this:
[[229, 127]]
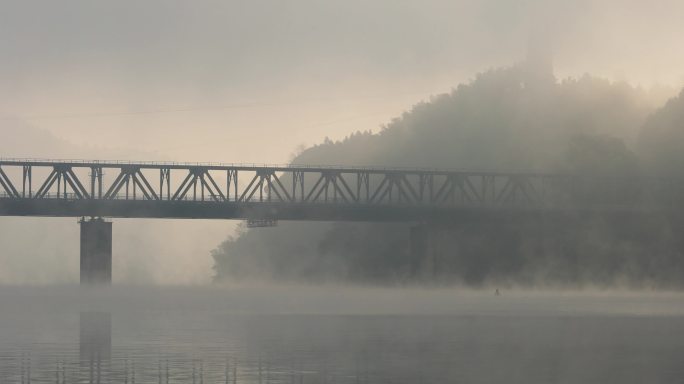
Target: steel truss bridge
[[267, 193]]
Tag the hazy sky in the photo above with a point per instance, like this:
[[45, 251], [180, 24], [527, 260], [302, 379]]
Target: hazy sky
[[249, 81]]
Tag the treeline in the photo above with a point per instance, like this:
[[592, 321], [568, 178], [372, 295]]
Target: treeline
[[504, 119]]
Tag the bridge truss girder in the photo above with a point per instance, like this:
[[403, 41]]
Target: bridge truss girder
[[323, 185]]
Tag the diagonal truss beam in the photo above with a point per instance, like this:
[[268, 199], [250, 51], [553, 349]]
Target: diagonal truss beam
[[66, 182], [7, 185]]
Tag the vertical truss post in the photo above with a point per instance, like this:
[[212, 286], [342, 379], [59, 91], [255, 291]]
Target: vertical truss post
[[298, 181], [261, 188], [93, 177], [126, 183], [328, 178], [363, 184], [26, 182], [422, 183], [194, 189], [232, 177], [452, 189], [429, 189], [333, 180], [201, 177], [164, 180], [485, 188], [59, 184], [96, 182], [269, 190]]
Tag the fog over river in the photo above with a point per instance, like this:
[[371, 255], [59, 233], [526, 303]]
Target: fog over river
[[332, 334], [591, 90]]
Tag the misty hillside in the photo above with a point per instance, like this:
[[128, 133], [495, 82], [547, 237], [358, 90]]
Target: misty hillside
[[498, 121], [504, 119], [660, 142]]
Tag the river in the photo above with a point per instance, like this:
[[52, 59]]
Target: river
[[332, 334]]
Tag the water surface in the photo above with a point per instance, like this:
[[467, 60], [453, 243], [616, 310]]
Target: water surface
[[337, 335]]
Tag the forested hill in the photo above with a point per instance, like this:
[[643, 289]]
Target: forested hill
[[504, 119]]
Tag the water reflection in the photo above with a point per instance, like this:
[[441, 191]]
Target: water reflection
[[53, 343], [190, 349], [95, 342]]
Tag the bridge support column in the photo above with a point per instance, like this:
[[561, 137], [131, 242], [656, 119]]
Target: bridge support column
[[96, 251]]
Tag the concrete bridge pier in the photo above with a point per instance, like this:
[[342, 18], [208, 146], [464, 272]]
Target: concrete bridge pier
[[96, 251]]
